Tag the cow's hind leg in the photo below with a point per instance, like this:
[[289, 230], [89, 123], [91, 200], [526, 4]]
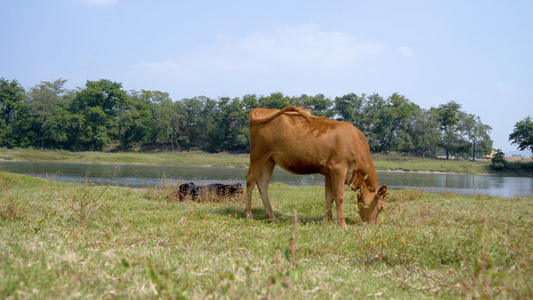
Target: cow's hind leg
[[251, 179], [262, 183], [259, 173]]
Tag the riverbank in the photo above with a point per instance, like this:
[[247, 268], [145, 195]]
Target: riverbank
[[152, 158], [382, 162], [390, 163], [76, 240]]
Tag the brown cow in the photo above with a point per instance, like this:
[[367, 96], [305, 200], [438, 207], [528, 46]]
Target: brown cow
[[305, 144]]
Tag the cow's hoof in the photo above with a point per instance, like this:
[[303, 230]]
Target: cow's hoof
[[274, 220]]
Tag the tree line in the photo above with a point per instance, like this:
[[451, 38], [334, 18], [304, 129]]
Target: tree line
[[102, 115]]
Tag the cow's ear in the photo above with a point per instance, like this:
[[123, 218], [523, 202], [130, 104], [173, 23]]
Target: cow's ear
[[382, 191]]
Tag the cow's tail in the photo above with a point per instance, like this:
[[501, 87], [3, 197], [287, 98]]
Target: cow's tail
[[302, 111]]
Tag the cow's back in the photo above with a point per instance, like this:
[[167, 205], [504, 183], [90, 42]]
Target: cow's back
[[305, 144]]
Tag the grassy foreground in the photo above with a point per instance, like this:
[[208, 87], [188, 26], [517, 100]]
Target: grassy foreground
[[61, 240]]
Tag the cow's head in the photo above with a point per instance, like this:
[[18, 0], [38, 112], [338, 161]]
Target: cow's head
[[371, 203]]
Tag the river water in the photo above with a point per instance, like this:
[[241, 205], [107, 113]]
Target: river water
[[149, 175]]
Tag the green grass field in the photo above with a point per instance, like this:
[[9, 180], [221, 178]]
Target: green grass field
[[61, 240], [155, 158]]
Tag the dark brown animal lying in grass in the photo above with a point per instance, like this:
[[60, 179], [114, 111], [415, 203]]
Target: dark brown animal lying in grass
[[209, 192], [187, 190]]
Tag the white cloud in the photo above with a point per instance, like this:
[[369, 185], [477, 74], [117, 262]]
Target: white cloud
[[405, 51], [283, 49], [167, 70], [515, 90], [307, 46], [157, 66], [504, 87], [100, 2]]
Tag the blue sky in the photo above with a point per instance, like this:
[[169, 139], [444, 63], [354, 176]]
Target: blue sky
[[477, 53]]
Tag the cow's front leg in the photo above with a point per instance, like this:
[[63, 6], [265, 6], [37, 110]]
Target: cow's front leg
[[337, 191], [329, 198], [248, 206]]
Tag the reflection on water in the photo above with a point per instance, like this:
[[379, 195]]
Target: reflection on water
[[461, 183], [146, 176]]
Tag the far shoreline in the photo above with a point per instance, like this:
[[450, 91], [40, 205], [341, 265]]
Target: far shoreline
[[386, 163], [245, 167]]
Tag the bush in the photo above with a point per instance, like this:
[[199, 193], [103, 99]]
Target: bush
[[498, 162]]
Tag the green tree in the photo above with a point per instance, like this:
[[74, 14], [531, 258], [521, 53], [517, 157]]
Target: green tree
[[274, 100], [57, 128], [12, 96], [97, 106], [400, 114], [522, 135], [168, 120], [23, 129], [98, 125], [198, 115], [373, 121], [448, 118], [498, 161], [191, 109], [44, 102], [135, 120], [424, 132], [348, 108], [319, 104], [161, 108], [250, 103], [477, 134], [208, 123], [76, 131], [5, 134], [231, 130]]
